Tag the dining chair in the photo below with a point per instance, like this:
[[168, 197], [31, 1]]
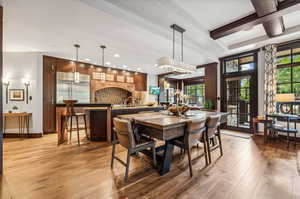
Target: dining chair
[[194, 132], [212, 131], [123, 134], [275, 127]]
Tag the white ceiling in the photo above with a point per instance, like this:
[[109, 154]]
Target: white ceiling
[[138, 30]]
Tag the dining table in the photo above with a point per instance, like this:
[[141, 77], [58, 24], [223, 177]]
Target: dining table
[[166, 127]]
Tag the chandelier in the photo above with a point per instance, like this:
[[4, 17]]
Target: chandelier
[[172, 65]]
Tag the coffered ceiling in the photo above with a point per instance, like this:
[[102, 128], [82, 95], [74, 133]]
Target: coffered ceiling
[[138, 30]]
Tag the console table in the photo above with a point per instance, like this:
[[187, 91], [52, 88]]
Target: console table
[[23, 121]]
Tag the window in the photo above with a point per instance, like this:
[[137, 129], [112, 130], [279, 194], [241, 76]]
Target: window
[[195, 93], [243, 63], [288, 71]]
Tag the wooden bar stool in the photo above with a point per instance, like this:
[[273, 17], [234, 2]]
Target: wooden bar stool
[[69, 114]]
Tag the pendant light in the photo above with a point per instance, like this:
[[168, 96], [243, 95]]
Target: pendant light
[[103, 75], [171, 64], [75, 72]]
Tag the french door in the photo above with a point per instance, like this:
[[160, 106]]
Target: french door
[[238, 101], [239, 90]]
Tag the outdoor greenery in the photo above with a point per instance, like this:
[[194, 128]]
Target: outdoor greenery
[[244, 89], [288, 77], [196, 92]]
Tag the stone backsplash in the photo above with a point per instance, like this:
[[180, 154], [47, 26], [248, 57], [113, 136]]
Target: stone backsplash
[[112, 95]]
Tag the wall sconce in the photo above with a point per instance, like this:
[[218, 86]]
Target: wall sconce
[[26, 82], [6, 83]]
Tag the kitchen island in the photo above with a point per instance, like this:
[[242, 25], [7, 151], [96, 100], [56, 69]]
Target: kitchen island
[[99, 118]]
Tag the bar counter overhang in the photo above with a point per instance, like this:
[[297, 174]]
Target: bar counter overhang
[[99, 117]]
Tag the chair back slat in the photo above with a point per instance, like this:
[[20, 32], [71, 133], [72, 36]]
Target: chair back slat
[[124, 131], [194, 131], [223, 118], [212, 125], [70, 107]]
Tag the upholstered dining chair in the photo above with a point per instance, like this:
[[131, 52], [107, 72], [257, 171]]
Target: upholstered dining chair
[[123, 134], [194, 133], [212, 131]]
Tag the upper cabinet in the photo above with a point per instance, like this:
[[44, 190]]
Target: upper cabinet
[[140, 82]]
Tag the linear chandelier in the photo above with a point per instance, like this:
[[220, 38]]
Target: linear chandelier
[[172, 65]]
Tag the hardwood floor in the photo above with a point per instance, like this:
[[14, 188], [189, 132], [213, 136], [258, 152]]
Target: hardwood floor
[[38, 168]]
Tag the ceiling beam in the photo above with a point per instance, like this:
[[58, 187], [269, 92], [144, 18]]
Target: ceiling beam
[[289, 33], [251, 20], [275, 26]]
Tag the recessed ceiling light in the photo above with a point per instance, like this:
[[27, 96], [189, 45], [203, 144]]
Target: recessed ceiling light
[[155, 65], [116, 55], [125, 66], [138, 69], [108, 63], [87, 59]]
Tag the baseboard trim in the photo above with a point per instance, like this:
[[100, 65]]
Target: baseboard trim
[[22, 135]]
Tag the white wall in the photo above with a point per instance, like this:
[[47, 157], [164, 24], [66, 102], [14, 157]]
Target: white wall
[[25, 65], [261, 85]]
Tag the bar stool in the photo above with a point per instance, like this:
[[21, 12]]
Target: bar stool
[[69, 114]]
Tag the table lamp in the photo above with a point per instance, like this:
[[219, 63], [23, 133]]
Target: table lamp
[[285, 97]]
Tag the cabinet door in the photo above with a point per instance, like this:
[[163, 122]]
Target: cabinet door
[[49, 94], [140, 81]]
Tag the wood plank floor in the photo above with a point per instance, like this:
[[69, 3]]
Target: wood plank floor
[[38, 168]]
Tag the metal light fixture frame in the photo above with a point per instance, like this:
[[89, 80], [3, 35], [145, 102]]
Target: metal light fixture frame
[[171, 63]]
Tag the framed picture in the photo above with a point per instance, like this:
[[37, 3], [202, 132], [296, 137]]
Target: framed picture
[[16, 94], [120, 78], [129, 79], [110, 77]]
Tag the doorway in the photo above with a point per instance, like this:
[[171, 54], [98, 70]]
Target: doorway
[[239, 90]]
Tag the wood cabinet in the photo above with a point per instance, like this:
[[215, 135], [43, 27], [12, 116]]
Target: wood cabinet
[[49, 94], [51, 65], [140, 81]]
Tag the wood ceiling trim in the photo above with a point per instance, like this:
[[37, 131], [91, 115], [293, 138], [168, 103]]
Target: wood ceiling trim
[[251, 20]]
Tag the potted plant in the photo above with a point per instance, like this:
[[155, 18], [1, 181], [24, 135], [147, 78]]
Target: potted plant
[[208, 104]]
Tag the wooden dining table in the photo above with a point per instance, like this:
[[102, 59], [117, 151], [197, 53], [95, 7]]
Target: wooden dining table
[[166, 128]]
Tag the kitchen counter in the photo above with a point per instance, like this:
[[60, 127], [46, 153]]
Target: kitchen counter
[[86, 105], [99, 117]]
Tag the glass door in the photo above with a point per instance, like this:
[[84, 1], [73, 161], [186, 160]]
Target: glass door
[[239, 90], [238, 102]]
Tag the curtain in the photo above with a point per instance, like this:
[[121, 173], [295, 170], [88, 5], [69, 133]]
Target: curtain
[[270, 79]]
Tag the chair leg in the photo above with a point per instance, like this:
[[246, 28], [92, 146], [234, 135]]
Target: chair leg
[[288, 140], [85, 127], [295, 141], [113, 155], [205, 152], [190, 162], [220, 144], [208, 150], [127, 165], [65, 125], [154, 156], [71, 127], [77, 125]]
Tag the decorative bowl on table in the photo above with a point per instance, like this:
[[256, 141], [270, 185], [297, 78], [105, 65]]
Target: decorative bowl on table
[[178, 110], [149, 103]]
